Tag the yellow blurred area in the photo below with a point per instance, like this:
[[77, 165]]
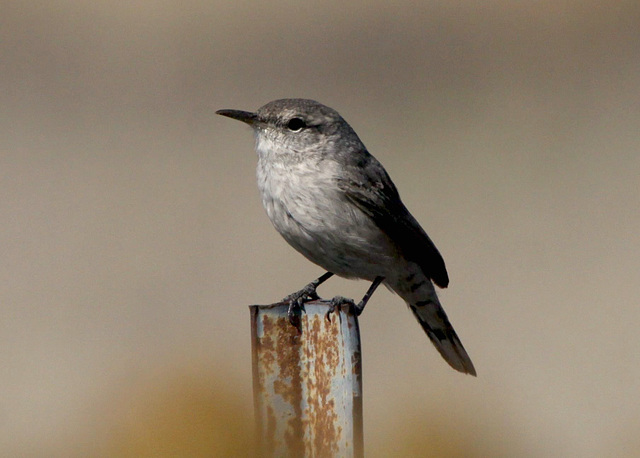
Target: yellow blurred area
[[198, 415], [186, 412], [188, 415]]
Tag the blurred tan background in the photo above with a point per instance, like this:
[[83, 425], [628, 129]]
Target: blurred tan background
[[133, 238]]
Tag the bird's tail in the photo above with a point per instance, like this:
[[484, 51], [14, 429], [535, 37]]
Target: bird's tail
[[423, 302], [435, 323]]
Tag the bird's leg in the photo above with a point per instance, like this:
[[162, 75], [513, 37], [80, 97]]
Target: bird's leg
[[360, 307], [306, 294], [357, 309]]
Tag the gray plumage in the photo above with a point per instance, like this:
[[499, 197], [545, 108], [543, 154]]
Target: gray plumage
[[335, 203]]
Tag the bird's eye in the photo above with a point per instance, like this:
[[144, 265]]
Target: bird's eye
[[296, 124]]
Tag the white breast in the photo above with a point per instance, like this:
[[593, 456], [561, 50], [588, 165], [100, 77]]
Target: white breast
[[306, 207]]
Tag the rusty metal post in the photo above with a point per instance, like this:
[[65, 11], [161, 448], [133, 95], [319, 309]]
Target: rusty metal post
[[307, 382]]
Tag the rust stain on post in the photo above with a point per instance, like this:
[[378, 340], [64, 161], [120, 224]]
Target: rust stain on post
[[307, 385]]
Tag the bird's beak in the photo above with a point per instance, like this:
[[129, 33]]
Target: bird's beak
[[244, 116]]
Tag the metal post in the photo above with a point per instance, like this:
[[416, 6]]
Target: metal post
[[307, 381]]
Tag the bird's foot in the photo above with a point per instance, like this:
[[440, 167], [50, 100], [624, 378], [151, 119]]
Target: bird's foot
[[296, 303], [339, 301]]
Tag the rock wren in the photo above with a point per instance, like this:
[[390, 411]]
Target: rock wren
[[335, 203]]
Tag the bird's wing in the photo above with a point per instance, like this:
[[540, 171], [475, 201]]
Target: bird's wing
[[368, 186]]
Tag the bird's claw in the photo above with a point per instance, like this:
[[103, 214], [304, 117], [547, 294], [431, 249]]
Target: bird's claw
[[337, 302], [296, 303], [306, 294]]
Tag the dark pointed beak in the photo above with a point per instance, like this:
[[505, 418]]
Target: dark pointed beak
[[244, 116]]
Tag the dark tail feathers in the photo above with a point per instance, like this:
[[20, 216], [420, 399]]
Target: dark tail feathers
[[435, 323]]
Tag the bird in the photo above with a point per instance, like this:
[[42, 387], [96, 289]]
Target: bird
[[334, 202]]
